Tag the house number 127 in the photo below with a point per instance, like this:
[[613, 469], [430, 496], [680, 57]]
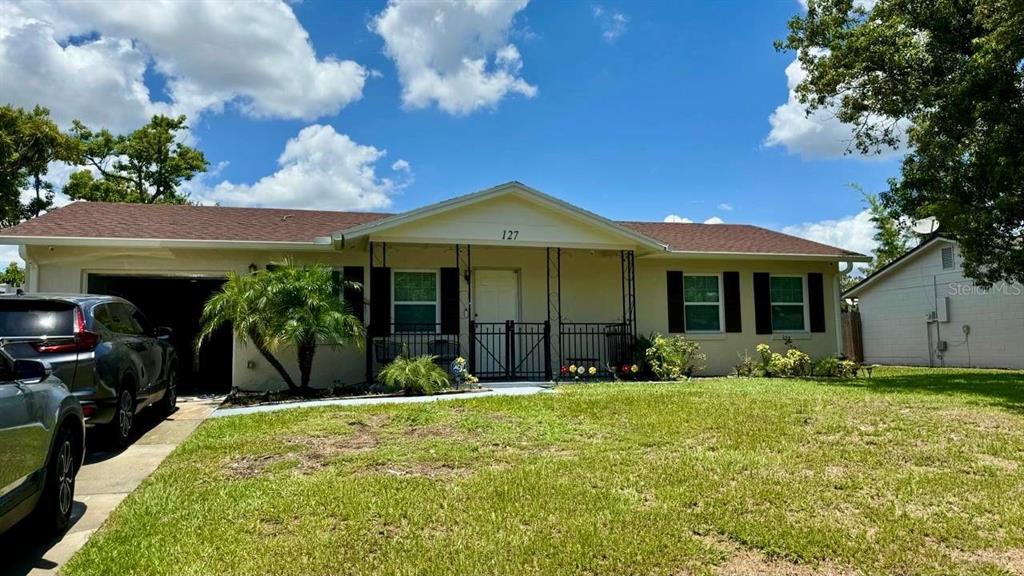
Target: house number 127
[[509, 234]]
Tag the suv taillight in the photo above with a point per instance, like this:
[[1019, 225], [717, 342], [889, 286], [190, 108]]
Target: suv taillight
[[83, 340]]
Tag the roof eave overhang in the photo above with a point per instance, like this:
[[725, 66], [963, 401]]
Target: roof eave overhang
[[318, 244], [700, 255]]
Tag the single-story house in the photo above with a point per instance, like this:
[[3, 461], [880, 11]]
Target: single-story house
[[517, 281], [921, 310]]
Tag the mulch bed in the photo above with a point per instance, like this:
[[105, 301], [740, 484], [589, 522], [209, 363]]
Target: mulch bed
[[238, 397]]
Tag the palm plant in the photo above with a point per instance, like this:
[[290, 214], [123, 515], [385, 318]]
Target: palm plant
[[306, 311], [287, 306]]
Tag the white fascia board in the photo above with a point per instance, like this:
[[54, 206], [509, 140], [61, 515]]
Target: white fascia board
[[160, 243], [756, 256]]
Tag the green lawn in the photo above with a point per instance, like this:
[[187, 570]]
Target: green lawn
[[911, 472]]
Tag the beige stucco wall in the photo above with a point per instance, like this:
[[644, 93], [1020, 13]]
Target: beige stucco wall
[[590, 288]]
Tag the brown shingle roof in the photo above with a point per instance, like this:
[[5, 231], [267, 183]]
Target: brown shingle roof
[[741, 238], [180, 222], [175, 222]]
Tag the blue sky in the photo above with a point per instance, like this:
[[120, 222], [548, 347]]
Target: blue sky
[[633, 110]]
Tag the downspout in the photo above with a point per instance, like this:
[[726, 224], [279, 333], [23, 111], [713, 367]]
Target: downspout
[[31, 270], [844, 269]]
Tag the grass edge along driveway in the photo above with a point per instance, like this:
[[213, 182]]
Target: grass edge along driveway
[[912, 472]]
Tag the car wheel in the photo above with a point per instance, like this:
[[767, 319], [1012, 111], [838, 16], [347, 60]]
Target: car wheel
[[170, 399], [124, 417], [54, 511]]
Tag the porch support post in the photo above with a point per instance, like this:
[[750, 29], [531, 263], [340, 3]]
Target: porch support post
[[369, 327], [628, 259], [554, 291]]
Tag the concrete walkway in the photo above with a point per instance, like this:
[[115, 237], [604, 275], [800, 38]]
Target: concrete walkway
[[102, 483], [509, 389]]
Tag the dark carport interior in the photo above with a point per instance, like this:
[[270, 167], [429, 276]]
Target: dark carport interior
[[177, 302]]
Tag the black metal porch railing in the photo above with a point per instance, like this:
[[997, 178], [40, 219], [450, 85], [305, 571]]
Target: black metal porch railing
[[412, 340], [603, 345], [510, 350]]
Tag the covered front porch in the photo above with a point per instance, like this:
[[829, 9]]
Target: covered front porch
[[515, 313]]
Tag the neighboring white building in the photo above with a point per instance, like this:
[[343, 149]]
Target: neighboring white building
[[921, 310]]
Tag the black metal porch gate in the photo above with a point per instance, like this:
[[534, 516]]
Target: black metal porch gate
[[510, 350]]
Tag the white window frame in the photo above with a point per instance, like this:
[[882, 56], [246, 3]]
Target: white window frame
[[803, 288], [437, 294], [720, 304]]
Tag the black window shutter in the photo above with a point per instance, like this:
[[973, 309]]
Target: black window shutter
[[674, 282], [762, 303], [816, 301], [449, 300], [733, 313], [380, 301], [353, 294]]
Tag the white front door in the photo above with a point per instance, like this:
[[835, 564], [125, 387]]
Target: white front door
[[495, 300]]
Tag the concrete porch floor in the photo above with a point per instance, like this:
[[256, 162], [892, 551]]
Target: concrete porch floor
[[105, 479]]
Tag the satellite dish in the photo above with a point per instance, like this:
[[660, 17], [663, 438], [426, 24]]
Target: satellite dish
[[925, 225]]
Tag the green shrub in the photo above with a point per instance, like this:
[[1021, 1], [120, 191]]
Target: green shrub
[[794, 363], [416, 376], [674, 357], [747, 366], [833, 367]]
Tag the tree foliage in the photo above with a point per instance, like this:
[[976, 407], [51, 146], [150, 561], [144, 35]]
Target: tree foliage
[[13, 275], [951, 72], [29, 142], [146, 166], [891, 236], [288, 306]]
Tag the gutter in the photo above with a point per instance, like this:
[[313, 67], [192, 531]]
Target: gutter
[[162, 243]]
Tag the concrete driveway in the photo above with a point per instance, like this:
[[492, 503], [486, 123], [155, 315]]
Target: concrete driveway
[[106, 478]]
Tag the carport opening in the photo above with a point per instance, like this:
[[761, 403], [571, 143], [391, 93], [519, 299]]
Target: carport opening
[[178, 304]]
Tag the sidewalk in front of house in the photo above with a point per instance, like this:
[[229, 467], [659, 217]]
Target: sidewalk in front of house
[[104, 481], [497, 389]]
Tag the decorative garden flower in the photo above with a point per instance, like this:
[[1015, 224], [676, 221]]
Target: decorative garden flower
[[581, 370], [625, 367], [564, 370], [572, 367], [593, 370], [634, 368]]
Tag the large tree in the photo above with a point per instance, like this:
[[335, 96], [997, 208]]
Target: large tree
[[949, 72], [892, 239], [29, 142], [146, 166]]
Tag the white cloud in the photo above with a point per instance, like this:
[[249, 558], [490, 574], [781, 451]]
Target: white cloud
[[10, 254], [87, 60], [714, 220], [455, 54], [401, 166], [319, 168], [725, 206], [818, 135], [851, 232], [612, 23], [675, 218]]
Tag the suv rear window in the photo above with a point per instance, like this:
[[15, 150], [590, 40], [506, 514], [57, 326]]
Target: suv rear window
[[36, 318]]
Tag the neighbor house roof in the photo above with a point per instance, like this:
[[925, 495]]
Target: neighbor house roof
[[96, 221], [882, 272]]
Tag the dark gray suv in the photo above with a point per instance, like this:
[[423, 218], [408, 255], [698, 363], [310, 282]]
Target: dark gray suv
[[42, 440], [102, 347]]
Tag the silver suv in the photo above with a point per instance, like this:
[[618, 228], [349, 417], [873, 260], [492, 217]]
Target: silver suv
[[42, 444], [103, 348]]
